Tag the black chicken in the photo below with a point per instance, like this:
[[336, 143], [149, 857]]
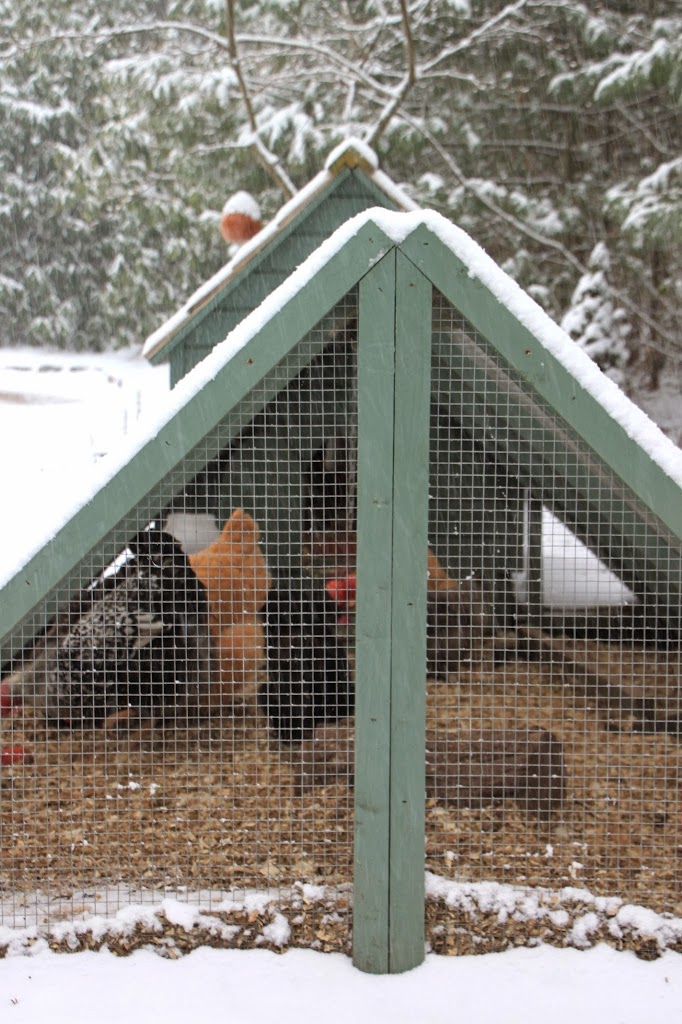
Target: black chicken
[[141, 644], [329, 483], [309, 677]]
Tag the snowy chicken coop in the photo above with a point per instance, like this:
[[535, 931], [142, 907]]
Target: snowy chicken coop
[[342, 651]]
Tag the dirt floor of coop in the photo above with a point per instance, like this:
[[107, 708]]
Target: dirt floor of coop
[[214, 807], [207, 807], [620, 829]]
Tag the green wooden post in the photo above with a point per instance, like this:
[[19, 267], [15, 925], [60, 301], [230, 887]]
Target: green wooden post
[[371, 905], [394, 375], [408, 619]]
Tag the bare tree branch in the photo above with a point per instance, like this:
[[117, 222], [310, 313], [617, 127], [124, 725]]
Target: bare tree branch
[[268, 159], [101, 36], [465, 43], [639, 126], [283, 44], [453, 76], [408, 81]]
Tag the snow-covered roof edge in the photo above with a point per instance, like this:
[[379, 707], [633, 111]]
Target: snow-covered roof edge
[[633, 420], [349, 153], [397, 227]]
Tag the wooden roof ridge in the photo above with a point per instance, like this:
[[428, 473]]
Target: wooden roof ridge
[[351, 154]]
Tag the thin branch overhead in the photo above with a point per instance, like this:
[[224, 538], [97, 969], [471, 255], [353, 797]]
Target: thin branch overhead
[[662, 341], [267, 159], [408, 81]]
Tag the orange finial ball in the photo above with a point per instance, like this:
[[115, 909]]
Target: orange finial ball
[[240, 219]]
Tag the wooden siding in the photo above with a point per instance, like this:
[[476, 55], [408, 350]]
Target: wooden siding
[[349, 193]]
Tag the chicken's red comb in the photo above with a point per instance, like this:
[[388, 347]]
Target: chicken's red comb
[[9, 700], [343, 590], [18, 754]]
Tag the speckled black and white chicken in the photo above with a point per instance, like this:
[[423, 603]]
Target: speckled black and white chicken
[[140, 646]]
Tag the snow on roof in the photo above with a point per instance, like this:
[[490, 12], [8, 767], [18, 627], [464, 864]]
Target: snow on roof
[[397, 227], [243, 202], [355, 148], [343, 155]]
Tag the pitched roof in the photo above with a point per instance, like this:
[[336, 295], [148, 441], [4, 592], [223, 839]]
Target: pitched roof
[[351, 155]]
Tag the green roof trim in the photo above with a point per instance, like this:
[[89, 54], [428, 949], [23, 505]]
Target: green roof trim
[[344, 189], [547, 376], [207, 306]]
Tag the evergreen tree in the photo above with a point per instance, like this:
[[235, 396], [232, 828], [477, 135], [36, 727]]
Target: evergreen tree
[[542, 128], [594, 321]]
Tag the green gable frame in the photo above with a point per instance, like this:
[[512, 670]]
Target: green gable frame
[[395, 346], [388, 926], [52, 573], [603, 508]]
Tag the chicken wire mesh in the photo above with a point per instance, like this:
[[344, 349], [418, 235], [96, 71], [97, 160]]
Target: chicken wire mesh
[[553, 754], [153, 735]]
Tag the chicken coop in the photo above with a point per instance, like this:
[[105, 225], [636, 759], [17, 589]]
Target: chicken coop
[[291, 665]]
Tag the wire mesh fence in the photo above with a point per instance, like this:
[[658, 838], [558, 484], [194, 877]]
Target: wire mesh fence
[[156, 724], [185, 723], [553, 711]]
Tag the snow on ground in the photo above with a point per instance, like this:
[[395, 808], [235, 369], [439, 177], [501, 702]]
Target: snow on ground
[[60, 413], [523, 986]]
